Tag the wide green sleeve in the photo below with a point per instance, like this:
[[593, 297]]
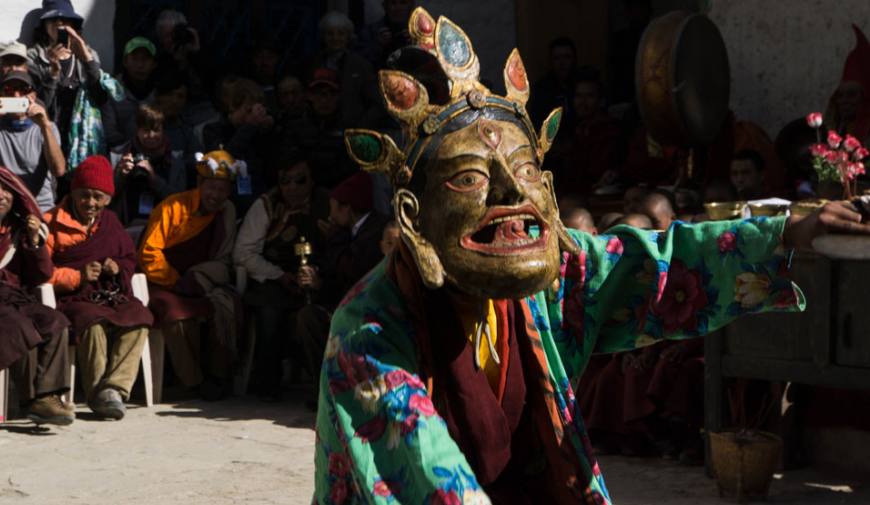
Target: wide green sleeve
[[631, 287], [379, 437]]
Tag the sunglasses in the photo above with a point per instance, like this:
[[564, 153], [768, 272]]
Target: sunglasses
[[299, 181], [10, 89]]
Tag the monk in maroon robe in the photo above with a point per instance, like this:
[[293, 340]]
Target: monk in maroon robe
[[33, 337], [95, 260]]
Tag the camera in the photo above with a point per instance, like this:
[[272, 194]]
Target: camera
[[181, 36], [137, 170]]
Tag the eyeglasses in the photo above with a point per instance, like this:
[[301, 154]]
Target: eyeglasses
[[11, 89], [299, 181]]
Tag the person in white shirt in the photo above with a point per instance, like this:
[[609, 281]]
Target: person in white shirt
[[266, 247]]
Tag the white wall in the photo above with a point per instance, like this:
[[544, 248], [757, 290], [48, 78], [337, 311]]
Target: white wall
[[99, 16], [786, 56]]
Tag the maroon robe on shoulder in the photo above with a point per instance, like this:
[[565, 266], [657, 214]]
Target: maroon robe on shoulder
[[105, 300]]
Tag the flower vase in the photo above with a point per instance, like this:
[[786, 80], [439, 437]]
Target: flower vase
[[829, 190]]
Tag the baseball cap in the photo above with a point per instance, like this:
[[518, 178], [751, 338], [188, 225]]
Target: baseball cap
[[139, 43], [14, 48], [325, 76], [17, 75]]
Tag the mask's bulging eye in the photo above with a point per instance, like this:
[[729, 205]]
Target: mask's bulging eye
[[528, 172], [469, 180]]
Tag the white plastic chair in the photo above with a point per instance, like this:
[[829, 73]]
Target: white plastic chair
[[4, 395], [140, 291]]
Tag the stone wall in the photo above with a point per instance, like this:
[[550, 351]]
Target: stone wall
[[786, 56]]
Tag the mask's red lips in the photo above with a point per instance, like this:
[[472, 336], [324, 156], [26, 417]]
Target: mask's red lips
[[504, 231]]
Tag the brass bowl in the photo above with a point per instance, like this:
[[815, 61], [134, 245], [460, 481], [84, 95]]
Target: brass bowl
[[722, 211], [804, 208], [766, 209]]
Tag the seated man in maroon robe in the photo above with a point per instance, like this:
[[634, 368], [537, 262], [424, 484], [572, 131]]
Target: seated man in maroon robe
[[33, 337], [95, 259], [186, 252], [592, 153]]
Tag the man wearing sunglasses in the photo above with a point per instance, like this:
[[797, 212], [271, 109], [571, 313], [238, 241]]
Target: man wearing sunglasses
[[29, 141], [266, 246]]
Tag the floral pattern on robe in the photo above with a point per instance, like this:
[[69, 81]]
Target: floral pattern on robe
[[379, 437]]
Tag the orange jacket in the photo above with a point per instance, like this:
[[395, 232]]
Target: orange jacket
[[172, 222], [65, 232]]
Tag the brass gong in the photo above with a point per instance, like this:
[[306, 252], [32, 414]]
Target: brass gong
[[682, 79]]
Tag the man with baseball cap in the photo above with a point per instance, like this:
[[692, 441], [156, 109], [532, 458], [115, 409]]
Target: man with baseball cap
[[29, 140], [13, 56], [137, 77]]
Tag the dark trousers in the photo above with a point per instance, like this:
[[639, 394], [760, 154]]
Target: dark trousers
[[312, 330], [273, 325], [44, 369]]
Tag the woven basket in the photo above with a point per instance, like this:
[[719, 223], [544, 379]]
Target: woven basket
[[744, 465]]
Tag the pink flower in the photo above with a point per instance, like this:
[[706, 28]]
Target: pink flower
[[442, 497], [834, 140], [814, 119], [727, 242], [382, 489], [614, 246], [854, 170], [832, 156], [338, 493], [338, 464], [422, 404], [851, 143], [818, 149], [396, 378], [860, 153], [683, 297]]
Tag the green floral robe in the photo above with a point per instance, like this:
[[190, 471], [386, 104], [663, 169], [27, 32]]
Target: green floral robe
[[379, 437]]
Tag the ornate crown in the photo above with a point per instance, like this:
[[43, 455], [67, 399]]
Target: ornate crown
[[408, 101]]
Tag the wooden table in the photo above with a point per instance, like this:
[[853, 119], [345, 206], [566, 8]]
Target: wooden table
[[825, 345]]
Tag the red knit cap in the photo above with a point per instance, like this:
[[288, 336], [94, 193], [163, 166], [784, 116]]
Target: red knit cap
[[356, 190], [95, 173]]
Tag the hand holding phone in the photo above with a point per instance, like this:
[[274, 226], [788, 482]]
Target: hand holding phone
[[14, 105]]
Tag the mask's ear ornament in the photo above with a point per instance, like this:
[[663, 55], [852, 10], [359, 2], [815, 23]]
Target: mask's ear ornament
[[549, 130], [407, 209], [566, 243]]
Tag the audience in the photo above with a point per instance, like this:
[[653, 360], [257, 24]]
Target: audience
[[137, 77], [353, 247], [579, 219], [658, 206], [94, 263], [64, 70], [186, 253], [30, 142], [33, 337], [636, 220], [148, 170], [266, 247], [747, 175], [381, 38], [13, 57]]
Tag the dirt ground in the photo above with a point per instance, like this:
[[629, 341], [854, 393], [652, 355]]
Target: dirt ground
[[243, 451]]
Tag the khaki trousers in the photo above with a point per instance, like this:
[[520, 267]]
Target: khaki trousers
[[108, 357], [185, 345]]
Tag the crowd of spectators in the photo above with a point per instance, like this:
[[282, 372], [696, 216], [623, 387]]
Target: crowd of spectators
[[197, 182]]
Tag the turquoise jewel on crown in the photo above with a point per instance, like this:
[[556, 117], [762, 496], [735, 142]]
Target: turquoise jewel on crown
[[453, 46]]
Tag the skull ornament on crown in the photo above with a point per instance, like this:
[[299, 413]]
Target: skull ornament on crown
[[474, 208]]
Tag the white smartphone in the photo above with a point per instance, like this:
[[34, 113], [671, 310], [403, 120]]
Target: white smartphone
[[14, 105]]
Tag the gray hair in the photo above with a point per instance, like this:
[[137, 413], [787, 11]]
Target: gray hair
[[170, 17], [335, 19]]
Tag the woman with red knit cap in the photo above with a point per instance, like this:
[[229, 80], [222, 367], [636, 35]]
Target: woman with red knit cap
[[95, 259]]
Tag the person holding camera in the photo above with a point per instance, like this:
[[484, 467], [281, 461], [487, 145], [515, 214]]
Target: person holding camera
[[147, 170], [178, 49], [29, 140], [63, 64]]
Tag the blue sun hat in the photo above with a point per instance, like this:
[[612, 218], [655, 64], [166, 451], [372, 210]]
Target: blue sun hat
[[52, 9]]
